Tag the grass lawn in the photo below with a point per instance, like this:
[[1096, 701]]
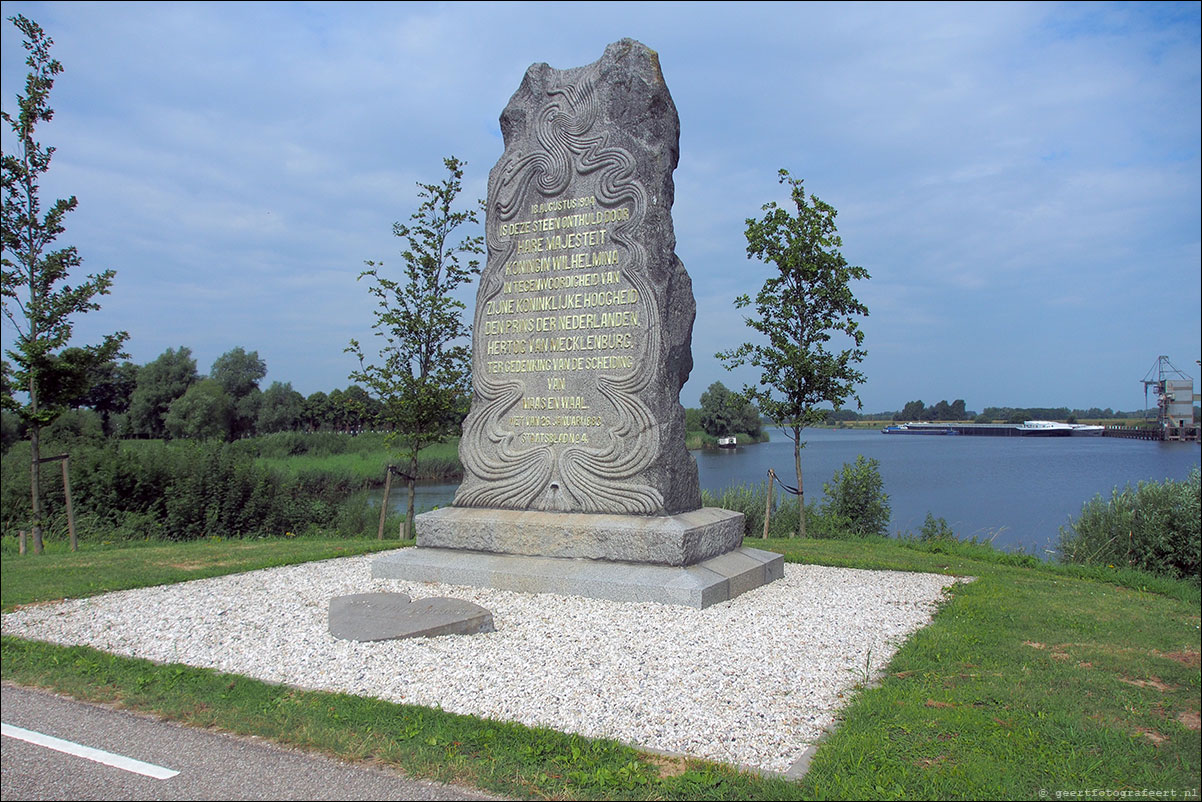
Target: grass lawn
[[437, 462], [1033, 682]]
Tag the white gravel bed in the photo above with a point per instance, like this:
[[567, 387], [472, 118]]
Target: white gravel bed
[[753, 681]]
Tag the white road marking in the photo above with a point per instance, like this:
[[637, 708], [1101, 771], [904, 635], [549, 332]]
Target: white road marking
[[87, 752]]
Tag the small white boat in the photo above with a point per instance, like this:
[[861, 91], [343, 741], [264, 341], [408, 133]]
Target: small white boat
[[728, 442]]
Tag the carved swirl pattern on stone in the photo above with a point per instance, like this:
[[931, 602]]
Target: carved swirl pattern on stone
[[502, 471]]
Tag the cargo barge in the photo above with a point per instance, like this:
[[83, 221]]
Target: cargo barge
[[1031, 428]]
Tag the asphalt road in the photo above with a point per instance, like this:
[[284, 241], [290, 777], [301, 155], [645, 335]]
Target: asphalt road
[[210, 765]]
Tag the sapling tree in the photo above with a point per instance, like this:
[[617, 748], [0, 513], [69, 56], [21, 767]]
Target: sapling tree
[[38, 303], [804, 302], [422, 374]]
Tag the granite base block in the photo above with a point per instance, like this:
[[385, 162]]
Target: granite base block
[[684, 539], [711, 581]]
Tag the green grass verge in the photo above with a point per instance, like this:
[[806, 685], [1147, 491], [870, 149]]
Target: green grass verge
[[437, 462], [1032, 682], [99, 568]]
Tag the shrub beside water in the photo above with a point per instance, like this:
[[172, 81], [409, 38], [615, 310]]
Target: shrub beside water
[[856, 494], [1153, 527], [751, 500]]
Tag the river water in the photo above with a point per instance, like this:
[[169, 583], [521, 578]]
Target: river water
[[1016, 490]]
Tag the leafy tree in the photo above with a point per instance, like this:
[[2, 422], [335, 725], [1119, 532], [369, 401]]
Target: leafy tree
[[204, 412], [856, 494], [798, 310], [316, 411], [423, 375], [246, 414], [159, 383], [359, 408], [724, 412], [37, 301], [839, 415], [913, 411], [239, 374], [111, 387], [10, 429], [717, 410], [282, 409], [74, 426], [336, 411]]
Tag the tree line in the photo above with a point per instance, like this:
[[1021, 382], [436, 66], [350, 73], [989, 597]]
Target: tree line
[[168, 399]]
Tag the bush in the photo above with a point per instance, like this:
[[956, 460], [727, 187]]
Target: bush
[[935, 529], [751, 501], [179, 491], [823, 524], [855, 494], [1153, 527]]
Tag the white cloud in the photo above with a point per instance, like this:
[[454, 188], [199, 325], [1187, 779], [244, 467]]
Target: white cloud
[[237, 163]]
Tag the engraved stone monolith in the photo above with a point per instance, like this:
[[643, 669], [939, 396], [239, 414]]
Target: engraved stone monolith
[[585, 314], [574, 448]]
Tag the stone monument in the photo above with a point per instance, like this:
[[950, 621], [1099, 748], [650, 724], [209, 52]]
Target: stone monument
[[577, 479]]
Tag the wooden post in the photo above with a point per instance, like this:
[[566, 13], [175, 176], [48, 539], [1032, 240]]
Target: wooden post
[[37, 527], [20, 541], [768, 503], [67, 493], [384, 503]]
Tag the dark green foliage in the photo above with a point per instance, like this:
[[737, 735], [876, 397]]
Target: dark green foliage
[[856, 494], [10, 429], [942, 411], [316, 444], [204, 412], [282, 409], [1153, 527], [184, 490], [935, 529], [111, 386], [725, 413], [159, 384], [751, 501], [238, 373], [76, 425]]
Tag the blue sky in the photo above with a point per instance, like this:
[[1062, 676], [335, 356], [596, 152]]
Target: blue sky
[[1022, 181]]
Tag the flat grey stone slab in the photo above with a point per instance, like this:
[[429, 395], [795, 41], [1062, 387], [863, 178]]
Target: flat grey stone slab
[[683, 539], [711, 581], [388, 616]]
